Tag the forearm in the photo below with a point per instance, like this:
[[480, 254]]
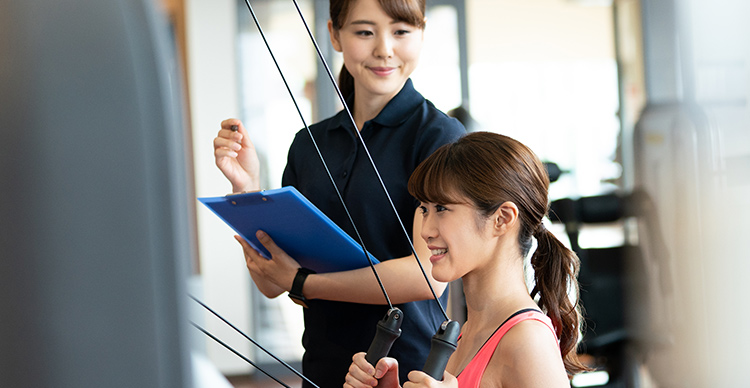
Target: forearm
[[402, 279]]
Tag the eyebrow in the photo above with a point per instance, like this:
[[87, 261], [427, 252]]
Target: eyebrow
[[371, 23]]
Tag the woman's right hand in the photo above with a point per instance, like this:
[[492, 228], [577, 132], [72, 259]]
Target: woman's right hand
[[363, 375], [236, 157]]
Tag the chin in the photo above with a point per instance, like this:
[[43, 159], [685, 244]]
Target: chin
[[443, 276], [387, 86]]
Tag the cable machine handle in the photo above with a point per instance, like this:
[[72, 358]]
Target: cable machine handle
[[387, 331], [442, 346]]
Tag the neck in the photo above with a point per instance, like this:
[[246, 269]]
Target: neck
[[495, 292], [367, 105], [364, 112]]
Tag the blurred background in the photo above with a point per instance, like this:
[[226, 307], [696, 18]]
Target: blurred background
[[642, 103], [642, 106]]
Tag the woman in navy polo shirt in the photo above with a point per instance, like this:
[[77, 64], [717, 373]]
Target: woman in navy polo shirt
[[381, 41]]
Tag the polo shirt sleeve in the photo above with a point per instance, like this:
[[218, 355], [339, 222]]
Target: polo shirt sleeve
[[289, 176], [439, 131]]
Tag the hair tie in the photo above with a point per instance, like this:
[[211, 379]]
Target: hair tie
[[539, 229]]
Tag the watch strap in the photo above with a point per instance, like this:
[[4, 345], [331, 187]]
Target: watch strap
[[299, 281]]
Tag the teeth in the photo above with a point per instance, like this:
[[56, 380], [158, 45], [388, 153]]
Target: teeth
[[437, 252]]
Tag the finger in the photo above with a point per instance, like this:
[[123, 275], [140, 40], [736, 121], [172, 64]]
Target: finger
[[250, 262], [234, 126], [250, 252], [225, 143], [384, 365], [358, 377], [230, 122], [419, 378], [361, 370], [242, 241], [241, 134], [360, 361], [268, 242], [351, 381], [449, 380], [222, 154], [232, 129]]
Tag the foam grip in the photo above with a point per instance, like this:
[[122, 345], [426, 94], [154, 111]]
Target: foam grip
[[442, 346], [388, 330]]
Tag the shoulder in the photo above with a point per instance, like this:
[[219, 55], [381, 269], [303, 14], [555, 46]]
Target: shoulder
[[436, 129], [528, 356], [435, 118], [410, 110]]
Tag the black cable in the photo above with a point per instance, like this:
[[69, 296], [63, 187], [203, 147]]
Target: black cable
[[320, 155], [253, 341], [238, 354], [388, 328], [367, 152]]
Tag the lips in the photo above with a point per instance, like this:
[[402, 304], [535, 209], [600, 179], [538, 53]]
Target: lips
[[437, 253], [382, 71]]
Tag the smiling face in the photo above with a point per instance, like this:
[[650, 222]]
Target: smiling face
[[459, 237], [379, 51]]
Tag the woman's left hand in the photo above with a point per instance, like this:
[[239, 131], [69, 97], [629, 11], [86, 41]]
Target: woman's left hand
[[280, 270], [420, 379]]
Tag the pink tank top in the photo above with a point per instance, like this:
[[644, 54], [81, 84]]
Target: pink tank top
[[472, 374]]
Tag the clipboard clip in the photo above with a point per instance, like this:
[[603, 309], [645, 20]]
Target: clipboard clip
[[245, 192], [242, 199]]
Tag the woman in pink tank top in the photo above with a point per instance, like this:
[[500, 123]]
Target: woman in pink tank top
[[483, 198]]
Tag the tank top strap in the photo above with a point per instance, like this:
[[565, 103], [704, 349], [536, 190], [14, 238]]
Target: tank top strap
[[474, 370]]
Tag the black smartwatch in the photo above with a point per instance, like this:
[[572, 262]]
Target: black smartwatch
[[296, 292]]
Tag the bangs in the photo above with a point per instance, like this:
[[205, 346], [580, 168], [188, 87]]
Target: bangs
[[407, 11], [435, 180]]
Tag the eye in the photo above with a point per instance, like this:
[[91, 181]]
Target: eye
[[402, 28], [422, 210], [440, 208], [363, 33]]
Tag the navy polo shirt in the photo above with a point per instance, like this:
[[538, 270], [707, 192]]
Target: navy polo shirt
[[407, 130]]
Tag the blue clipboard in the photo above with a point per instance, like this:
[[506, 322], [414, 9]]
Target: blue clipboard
[[294, 224]]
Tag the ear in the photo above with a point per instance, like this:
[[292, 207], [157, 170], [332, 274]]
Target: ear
[[334, 34], [505, 218]]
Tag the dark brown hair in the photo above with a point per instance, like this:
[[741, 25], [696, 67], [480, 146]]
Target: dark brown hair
[[407, 11], [489, 169]]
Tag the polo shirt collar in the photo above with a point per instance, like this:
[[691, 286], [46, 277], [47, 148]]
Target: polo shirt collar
[[397, 111]]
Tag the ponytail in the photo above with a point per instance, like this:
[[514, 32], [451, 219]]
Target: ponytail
[[555, 273], [510, 171], [346, 84]]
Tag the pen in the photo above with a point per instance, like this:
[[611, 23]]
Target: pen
[[234, 128]]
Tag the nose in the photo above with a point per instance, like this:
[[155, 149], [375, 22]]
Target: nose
[[429, 229], [384, 47]]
